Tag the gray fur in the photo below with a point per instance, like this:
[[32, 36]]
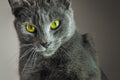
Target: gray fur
[[61, 54]]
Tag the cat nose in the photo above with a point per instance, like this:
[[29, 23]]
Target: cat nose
[[46, 44]]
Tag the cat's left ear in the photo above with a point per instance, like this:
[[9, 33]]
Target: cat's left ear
[[66, 3]]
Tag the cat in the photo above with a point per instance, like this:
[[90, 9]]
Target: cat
[[51, 48]]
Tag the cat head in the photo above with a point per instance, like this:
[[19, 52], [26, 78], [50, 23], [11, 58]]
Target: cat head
[[44, 24]]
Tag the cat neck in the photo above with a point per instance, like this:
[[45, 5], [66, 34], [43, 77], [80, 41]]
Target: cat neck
[[73, 41]]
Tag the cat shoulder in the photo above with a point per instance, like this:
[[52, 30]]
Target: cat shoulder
[[89, 45]]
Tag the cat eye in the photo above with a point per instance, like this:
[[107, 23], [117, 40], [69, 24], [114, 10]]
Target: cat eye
[[55, 24], [30, 28]]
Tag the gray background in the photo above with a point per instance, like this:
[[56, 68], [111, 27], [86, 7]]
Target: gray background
[[100, 18]]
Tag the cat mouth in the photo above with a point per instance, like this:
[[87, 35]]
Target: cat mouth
[[46, 52], [40, 49]]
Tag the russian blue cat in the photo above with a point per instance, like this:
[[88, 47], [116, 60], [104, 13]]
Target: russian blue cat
[[51, 48]]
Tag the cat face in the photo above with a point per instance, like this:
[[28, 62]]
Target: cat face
[[44, 24]]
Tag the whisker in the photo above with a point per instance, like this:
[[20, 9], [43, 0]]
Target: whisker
[[32, 59], [63, 49], [35, 58], [26, 53], [25, 45], [27, 62]]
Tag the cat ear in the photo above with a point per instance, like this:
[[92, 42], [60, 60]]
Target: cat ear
[[15, 3], [66, 3], [19, 3]]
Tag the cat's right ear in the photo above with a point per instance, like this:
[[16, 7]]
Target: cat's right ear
[[15, 3], [15, 6], [18, 5]]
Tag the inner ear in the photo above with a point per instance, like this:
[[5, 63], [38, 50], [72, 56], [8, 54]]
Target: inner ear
[[17, 11]]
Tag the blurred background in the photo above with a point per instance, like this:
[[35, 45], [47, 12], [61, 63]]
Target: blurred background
[[101, 18]]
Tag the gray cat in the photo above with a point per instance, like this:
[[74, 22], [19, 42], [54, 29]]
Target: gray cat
[[50, 46]]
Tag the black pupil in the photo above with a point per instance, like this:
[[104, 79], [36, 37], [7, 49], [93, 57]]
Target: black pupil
[[30, 27]]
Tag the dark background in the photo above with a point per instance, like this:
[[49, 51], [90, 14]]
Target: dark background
[[101, 18]]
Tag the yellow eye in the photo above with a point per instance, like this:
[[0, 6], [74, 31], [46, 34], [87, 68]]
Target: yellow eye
[[30, 28], [55, 24]]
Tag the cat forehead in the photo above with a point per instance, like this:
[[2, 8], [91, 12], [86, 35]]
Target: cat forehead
[[44, 7], [46, 10], [16, 3], [47, 1]]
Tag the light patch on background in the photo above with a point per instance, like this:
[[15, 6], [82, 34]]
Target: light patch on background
[[8, 44]]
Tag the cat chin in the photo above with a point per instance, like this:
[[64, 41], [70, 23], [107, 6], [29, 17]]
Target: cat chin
[[46, 54], [40, 49]]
